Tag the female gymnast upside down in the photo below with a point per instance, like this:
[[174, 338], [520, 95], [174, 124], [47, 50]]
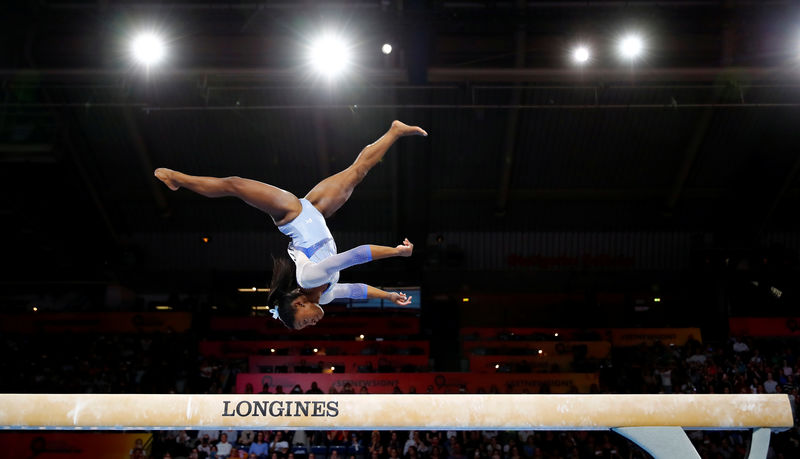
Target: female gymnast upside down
[[295, 294]]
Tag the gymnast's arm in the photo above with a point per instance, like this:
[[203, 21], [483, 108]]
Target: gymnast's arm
[[364, 291], [315, 274]]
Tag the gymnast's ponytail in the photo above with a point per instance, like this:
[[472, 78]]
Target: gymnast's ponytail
[[283, 290]]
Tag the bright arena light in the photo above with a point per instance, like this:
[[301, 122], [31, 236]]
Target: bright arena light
[[148, 49], [330, 55], [386, 48], [580, 54], [631, 46]]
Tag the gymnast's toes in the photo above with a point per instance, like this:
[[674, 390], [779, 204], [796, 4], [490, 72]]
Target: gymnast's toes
[[403, 129], [165, 175]]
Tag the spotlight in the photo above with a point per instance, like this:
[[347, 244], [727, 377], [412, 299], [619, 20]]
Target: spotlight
[[330, 55], [541, 352], [631, 46], [272, 350], [580, 54], [148, 49], [496, 366], [386, 48], [316, 350]]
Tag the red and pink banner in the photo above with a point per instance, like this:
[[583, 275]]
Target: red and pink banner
[[764, 326], [590, 349], [621, 337], [541, 333], [97, 322], [438, 383], [354, 363], [521, 363], [369, 326], [243, 349]]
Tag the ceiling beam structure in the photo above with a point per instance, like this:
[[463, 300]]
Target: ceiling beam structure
[[434, 74]]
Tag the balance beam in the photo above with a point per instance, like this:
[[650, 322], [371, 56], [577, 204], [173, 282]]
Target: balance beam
[[645, 419]]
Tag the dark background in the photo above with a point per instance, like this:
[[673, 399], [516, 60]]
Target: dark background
[[674, 177]]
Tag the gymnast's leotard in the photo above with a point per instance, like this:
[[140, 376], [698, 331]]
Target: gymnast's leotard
[[314, 253]]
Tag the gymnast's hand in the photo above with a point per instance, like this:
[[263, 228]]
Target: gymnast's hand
[[399, 298], [405, 249]]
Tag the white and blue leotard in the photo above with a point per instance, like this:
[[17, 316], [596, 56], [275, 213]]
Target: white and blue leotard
[[314, 253]]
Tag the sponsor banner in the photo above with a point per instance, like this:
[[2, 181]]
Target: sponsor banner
[[244, 349], [72, 445], [520, 363], [764, 326], [438, 383], [106, 322], [372, 326], [587, 349], [354, 363], [626, 337]]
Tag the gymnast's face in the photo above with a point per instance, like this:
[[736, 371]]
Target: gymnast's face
[[306, 313]]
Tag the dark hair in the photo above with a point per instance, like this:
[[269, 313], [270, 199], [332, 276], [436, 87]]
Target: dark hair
[[283, 289]]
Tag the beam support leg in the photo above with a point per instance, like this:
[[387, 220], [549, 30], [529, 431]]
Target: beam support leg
[[661, 442], [759, 444]]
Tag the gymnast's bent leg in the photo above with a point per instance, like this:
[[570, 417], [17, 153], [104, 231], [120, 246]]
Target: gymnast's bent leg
[[329, 195], [279, 204]]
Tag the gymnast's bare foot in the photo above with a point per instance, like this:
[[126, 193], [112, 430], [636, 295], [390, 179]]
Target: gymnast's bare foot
[[166, 176], [403, 129]]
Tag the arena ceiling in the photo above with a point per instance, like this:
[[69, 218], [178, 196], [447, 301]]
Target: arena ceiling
[[700, 135]]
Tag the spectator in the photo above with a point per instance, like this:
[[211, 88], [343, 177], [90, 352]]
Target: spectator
[[204, 446], [246, 438], [233, 435], [770, 384], [259, 447], [375, 445], [137, 444], [394, 442], [314, 389], [213, 435], [355, 448], [416, 442], [224, 448], [279, 445], [456, 452]]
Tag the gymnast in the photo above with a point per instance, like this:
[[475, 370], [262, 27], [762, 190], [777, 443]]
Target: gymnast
[[296, 292]]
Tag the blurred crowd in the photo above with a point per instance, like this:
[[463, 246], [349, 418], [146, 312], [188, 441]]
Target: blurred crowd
[[165, 363]]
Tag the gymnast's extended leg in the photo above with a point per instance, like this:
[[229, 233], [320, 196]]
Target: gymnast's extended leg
[[281, 205], [329, 195]]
